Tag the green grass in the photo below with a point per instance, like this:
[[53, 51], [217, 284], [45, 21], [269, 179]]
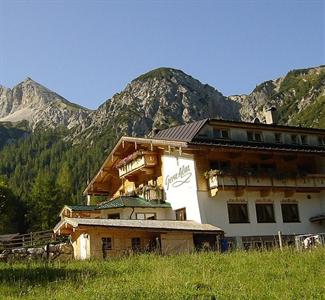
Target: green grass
[[238, 275]]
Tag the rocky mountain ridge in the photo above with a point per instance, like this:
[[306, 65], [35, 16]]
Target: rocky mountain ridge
[[299, 98], [158, 99], [167, 97], [39, 106]]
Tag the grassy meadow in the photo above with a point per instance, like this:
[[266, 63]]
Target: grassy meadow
[[237, 275]]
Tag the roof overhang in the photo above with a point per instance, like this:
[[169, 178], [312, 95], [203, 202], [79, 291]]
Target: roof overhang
[[70, 224], [125, 143]]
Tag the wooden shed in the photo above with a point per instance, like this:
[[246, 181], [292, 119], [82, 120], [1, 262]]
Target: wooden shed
[[104, 238]]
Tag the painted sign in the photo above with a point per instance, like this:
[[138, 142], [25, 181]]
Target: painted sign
[[180, 185], [179, 174], [182, 176]]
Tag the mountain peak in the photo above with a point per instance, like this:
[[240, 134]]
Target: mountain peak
[[160, 73]]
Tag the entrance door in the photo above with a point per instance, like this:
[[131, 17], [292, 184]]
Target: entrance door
[[83, 246]]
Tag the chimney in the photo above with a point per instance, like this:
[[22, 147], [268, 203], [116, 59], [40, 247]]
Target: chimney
[[271, 116]]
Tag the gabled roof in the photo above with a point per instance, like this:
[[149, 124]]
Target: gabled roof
[[184, 133], [140, 224], [127, 201]]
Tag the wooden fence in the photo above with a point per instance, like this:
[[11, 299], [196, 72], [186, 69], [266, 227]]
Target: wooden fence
[[29, 240]]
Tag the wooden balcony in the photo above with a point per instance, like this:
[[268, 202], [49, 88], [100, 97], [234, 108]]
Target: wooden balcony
[[143, 161], [311, 181]]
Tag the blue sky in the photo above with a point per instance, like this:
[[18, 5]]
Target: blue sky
[[89, 50]]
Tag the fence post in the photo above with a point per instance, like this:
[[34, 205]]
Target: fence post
[[280, 240], [47, 252]]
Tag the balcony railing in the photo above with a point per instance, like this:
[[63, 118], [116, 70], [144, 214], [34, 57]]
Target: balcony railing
[[140, 160], [232, 181]]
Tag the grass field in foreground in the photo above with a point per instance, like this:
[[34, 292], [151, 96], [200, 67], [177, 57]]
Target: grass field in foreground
[[238, 275]]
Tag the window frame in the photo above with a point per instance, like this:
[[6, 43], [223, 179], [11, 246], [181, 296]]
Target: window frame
[[252, 134], [220, 135], [145, 215], [297, 220], [107, 241], [294, 139], [136, 246], [280, 137], [178, 213], [109, 216], [321, 141], [231, 219], [304, 139], [259, 217]]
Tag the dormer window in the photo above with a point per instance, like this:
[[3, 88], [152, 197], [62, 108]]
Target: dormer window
[[321, 141], [294, 139], [254, 136], [303, 139], [220, 133], [278, 138]]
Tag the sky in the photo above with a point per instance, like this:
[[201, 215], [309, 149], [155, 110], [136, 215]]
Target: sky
[[87, 51]]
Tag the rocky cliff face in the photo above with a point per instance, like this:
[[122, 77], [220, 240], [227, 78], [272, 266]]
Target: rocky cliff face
[[299, 98], [158, 99], [39, 106], [167, 97]]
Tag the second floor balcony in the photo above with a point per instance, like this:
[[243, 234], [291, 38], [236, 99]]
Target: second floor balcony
[[137, 161], [281, 181]]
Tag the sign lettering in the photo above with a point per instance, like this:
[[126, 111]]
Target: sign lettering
[[182, 176]]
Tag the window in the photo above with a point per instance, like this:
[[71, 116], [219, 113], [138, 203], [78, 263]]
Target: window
[[146, 216], [113, 216], [238, 213], [278, 138], [254, 136], [106, 243], [220, 133], [290, 212], [265, 213], [294, 139], [321, 140], [180, 214], [303, 139], [136, 244], [223, 165]]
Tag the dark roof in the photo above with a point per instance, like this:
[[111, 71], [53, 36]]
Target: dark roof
[[257, 145], [187, 132], [181, 133], [127, 201]]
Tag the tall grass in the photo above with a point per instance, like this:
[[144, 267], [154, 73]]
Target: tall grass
[[237, 275]]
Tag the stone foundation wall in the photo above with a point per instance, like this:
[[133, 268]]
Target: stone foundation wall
[[60, 252]]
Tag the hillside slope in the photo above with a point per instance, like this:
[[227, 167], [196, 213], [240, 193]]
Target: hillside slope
[[299, 97]]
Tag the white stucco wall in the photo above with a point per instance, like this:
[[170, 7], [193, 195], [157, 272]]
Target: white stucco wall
[[214, 211], [180, 185], [127, 213]]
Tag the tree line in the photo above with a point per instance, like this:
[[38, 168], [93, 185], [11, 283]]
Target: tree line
[[42, 172]]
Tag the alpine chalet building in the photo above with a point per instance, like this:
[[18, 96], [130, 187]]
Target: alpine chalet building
[[249, 180]]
